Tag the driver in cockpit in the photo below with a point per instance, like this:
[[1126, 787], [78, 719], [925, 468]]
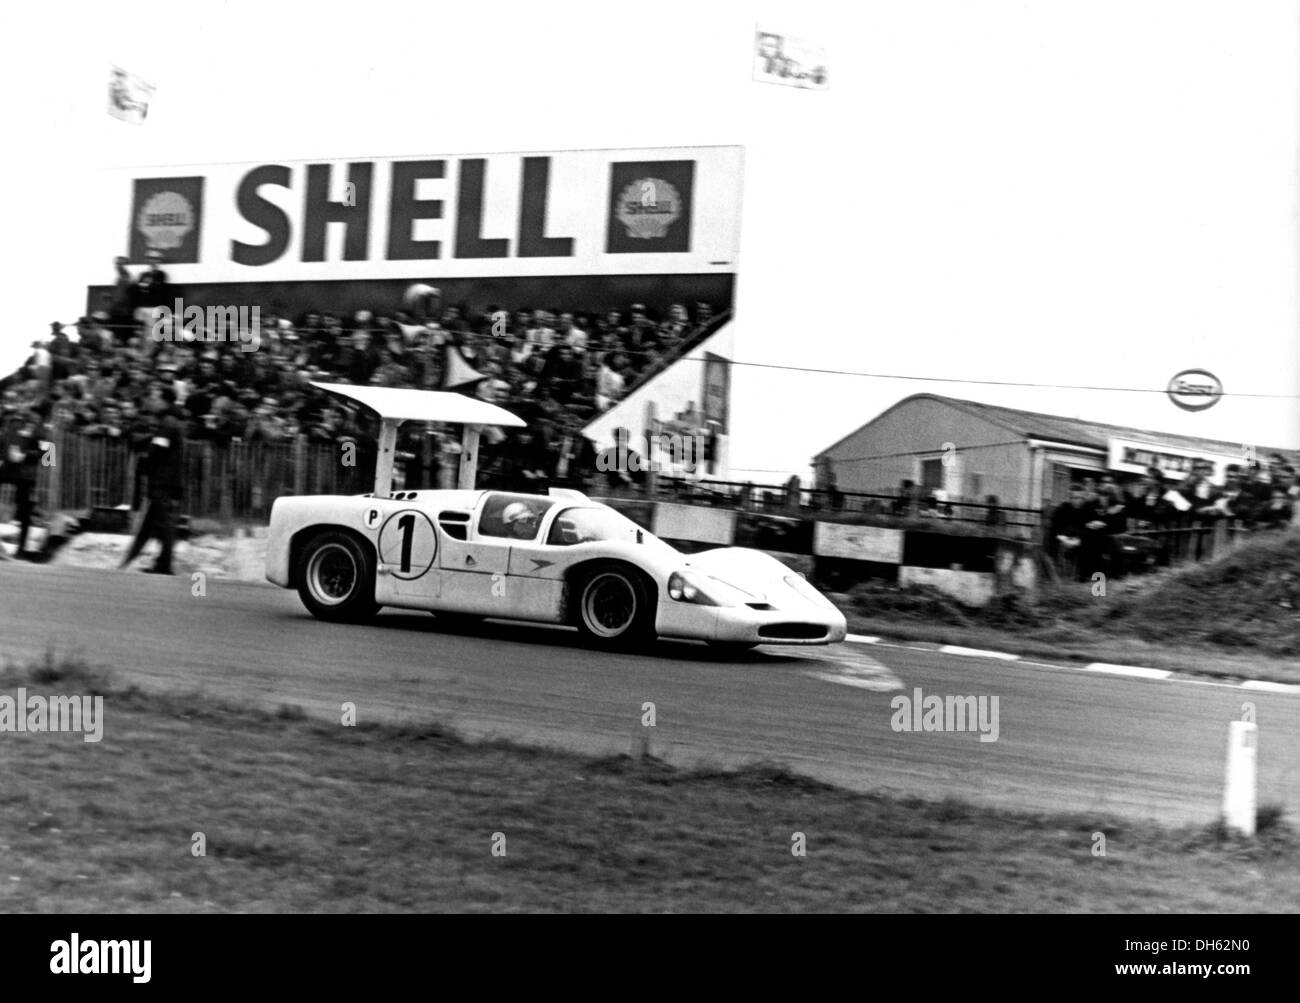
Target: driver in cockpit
[[520, 521]]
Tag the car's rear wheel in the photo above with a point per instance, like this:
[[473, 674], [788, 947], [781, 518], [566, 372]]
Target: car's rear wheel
[[336, 578], [615, 607]]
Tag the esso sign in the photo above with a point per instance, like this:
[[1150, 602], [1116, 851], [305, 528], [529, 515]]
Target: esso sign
[[1195, 389]]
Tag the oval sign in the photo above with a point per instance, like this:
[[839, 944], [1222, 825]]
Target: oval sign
[[1195, 389]]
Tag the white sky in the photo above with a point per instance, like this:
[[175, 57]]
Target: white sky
[[1097, 193]]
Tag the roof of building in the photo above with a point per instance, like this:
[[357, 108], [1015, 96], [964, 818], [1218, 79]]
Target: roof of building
[[1075, 431]]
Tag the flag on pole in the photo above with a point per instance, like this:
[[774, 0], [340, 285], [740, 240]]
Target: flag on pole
[[460, 375], [783, 59], [128, 96]]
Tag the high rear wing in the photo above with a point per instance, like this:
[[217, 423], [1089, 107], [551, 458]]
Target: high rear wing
[[402, 404], [395, 405]]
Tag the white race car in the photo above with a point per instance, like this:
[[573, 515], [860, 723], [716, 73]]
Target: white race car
[[559, 558]]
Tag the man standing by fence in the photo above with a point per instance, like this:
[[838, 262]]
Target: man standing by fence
[[1065, 530], [20, 453], [163, 469]]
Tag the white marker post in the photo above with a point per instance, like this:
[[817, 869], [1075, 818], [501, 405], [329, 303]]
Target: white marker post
[[1239, 784]]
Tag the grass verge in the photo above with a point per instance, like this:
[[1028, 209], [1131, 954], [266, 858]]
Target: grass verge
[[302, 815], [1234, 617]]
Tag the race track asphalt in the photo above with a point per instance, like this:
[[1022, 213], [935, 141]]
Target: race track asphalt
[[1105, 747]]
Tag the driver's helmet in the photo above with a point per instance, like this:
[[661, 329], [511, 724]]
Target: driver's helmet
[[519, 518]]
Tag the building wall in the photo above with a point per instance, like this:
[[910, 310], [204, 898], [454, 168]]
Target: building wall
[[986, 458], [677, 390]]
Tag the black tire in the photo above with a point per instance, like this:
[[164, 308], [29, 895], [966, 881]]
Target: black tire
[[614, 607], [336, 578]]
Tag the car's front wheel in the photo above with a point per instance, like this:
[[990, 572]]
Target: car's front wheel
[[615, 607], [336, 578]]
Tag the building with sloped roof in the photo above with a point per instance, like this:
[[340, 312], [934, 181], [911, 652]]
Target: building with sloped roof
[[1025, 458]]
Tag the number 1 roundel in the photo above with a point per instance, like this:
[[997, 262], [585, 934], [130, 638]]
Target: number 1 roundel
[[408, 544]]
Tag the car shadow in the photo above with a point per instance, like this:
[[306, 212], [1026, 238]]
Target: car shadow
[[568, 637]]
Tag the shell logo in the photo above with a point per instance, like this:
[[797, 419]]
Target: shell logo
[[648, 207], [165, 219]]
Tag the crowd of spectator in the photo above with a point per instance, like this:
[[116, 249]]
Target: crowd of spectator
[[1084, 530], [112, 377]]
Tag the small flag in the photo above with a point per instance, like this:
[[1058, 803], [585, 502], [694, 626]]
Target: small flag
[[794, 62], [459, 374], [128, 96]]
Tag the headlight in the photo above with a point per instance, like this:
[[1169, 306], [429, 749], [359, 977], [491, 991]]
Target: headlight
[[686, 588], [703, 590]]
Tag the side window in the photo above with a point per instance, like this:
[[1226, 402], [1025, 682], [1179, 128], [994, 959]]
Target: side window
[[513, 517], [564, 532]]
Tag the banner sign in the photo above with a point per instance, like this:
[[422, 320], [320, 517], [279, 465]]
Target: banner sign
[[716, 392], [859, 543], [585, 212], [1134, 457]]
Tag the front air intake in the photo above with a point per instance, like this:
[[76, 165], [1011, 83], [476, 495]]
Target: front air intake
[[792, 631]]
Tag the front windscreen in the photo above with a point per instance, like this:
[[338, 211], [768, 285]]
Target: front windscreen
[[597, 525]]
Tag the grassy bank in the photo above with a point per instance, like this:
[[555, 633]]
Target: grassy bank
[[306, 815], [1237, 616]]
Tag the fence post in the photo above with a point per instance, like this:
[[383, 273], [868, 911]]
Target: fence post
[[1239, 780], [299, 458], [54, 493], [90, 471], [128, 482], [205, 462], [227, 514], [1219, 538]]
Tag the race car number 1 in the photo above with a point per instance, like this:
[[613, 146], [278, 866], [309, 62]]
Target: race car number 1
[[408, 544]]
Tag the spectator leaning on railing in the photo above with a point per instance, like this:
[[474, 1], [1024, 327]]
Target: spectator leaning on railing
[[1146, 502], [1066, 526]]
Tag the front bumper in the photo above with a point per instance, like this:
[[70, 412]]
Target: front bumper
[[801, 624]]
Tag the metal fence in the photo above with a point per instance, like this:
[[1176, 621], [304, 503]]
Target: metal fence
[[238, 481], [1196, 543], [231, 482], [844, 505]]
